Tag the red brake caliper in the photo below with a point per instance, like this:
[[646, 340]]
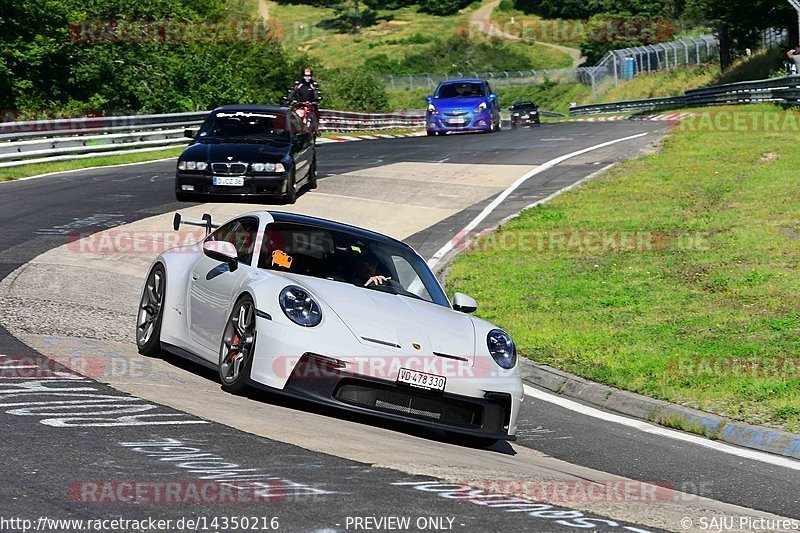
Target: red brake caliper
[[236, 342]]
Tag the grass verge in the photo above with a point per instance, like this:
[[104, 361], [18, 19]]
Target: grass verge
[[674, 275], [13, 173]]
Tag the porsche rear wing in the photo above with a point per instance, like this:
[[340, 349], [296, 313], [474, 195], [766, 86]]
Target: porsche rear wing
[[204, 223]]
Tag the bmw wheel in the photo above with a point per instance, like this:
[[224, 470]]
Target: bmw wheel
[[312, 174], [291, 191], [238, 345], [148, 321]]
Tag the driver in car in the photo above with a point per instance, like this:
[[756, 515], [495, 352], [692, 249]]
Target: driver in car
[[367, 273]]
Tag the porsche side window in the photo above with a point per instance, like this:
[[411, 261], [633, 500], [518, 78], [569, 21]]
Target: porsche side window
[[242, 234], [409, 279]]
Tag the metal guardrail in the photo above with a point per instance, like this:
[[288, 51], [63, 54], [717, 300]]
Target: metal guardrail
[[45, 141], [784, 91]]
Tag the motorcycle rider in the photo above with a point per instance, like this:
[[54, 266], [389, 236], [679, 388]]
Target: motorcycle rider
[[306, 90]]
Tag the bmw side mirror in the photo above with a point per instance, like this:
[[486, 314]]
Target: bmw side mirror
[[190, 133], [222, 251], [464, 303]]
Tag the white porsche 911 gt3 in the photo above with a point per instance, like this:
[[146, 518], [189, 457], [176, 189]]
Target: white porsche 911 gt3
[[334, 314]]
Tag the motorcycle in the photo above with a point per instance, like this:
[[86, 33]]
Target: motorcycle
[[307, 112]]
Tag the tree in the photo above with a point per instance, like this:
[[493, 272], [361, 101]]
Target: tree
[[738, 23]]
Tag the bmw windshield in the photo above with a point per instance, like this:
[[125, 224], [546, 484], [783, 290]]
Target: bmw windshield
[[245, 126], [371, 264]]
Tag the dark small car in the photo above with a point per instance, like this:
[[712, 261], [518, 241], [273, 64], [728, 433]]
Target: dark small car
[[524, 114], [247, 153]]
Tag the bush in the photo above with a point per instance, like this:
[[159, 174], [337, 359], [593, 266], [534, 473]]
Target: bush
[[443, 8], [355, 89], [453, 55], [506, 5]]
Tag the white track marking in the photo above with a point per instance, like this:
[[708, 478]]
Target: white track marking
[[452, 243], [646, 427]]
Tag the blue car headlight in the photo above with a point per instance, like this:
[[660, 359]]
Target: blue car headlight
[[502, 348], [481, 107], [300, 307]]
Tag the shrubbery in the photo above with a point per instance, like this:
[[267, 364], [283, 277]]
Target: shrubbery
[[452, 55], [42, 68], [355, 89], [442, 7]]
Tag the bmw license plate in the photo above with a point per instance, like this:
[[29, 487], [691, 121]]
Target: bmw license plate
[[421, 380], [229, 182]]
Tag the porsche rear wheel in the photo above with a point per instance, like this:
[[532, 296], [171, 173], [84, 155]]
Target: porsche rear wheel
[[238, 345], [148, 321]]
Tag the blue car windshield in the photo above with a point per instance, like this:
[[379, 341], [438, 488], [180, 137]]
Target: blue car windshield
[[461, 90]]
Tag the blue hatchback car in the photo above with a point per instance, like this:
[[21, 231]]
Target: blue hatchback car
[[462, 105]]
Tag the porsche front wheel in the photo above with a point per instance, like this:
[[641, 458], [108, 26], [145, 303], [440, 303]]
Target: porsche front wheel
[[238, 345], [148, 321]]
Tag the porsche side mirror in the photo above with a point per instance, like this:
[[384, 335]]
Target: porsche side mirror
[[190, 133], [222, 251], [464, 303]]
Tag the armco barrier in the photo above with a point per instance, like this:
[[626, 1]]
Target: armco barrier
[[784, 91], [42, 141]]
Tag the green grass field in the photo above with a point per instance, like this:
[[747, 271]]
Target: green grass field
[[675, 275], [395, 38]]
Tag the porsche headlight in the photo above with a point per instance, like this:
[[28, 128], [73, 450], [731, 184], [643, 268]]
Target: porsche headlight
[[300, 307], [481, 107], [502, 348]]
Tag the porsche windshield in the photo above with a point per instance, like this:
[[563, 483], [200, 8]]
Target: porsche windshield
[[245, 126], [371, 264]]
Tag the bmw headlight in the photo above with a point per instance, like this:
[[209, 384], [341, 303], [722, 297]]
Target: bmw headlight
[[267, 167], [481, 108], [300, 307], [502, 348], [192, 165]]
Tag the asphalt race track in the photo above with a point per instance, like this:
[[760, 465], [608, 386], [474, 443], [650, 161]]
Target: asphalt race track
[[69, 447]]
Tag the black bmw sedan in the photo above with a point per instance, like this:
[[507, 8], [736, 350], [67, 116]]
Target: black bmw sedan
[[247, 153], [524, 114]]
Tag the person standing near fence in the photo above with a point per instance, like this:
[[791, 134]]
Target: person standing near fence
[[794, 61]]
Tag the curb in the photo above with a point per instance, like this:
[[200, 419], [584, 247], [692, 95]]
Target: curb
[[351, 138], [661, 412], [670, 117]]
